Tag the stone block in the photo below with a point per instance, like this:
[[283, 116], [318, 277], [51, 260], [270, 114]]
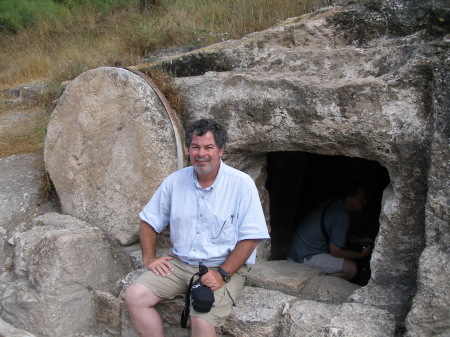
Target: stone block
[[327, 289], [107, 310], [63, 255], [46, 314], [8, 330], [308, 319], [355, 320], [314, 319], [286, 276], [58, 262], [258, 312]]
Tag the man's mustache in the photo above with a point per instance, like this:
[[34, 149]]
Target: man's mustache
[[202, 159]]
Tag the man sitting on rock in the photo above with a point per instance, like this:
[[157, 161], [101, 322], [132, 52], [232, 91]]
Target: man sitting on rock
[[321, 238], [216, 219]]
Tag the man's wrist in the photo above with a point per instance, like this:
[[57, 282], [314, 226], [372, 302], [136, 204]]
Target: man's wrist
[[226, 277]]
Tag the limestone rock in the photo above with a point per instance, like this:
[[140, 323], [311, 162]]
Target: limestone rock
[[21, 191], [430, 314], [65, 255], [258, 312], [356, 319], [109, 145], [22, 198], [366, 79], [308, 319], [46, 314], [286, 276], [58, 262], [8, 330], [327, 289], [108, 310]]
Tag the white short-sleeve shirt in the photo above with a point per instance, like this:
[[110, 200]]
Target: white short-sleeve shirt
[[206, 224]]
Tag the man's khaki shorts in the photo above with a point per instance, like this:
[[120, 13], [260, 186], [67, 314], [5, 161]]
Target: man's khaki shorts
[[176, 284]]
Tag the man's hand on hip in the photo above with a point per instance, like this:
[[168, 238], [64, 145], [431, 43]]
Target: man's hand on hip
[[159, 265]]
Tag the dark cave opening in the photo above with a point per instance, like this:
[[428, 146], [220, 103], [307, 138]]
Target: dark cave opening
[[299, 181]]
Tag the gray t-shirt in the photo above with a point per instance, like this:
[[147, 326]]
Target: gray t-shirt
[[308, 238]]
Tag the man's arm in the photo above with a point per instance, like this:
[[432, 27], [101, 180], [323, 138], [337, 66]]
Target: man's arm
[[158, 265], [337, 251], [236, 260]]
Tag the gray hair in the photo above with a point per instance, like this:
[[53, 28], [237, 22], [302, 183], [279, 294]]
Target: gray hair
[[202, 126]]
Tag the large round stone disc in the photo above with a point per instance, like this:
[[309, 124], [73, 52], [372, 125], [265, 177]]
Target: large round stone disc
[[109, 145]]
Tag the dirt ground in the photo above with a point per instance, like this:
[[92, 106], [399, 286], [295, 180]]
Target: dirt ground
[[23, 123]]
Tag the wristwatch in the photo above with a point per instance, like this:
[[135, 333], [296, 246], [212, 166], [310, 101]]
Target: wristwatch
[[225, 276]]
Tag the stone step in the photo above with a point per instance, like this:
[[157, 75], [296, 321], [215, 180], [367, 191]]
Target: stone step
[[300, 280], [281, 298]]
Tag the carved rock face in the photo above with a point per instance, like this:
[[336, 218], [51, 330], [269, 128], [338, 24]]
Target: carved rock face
[[366, 81]]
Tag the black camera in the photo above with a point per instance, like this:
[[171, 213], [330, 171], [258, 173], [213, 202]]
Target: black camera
[[202, 297]]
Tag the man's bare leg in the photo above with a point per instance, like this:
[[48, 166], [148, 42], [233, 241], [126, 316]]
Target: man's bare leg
[[201, 328], [140, 302]]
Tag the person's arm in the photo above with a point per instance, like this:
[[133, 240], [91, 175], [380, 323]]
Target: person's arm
[[236, 260], [340, 252], [158, 265], [361, 241]]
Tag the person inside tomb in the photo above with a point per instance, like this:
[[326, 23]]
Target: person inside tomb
[[322, 239]]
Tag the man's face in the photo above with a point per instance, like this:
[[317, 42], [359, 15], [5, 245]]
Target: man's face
[[356, 203], [204, 154]]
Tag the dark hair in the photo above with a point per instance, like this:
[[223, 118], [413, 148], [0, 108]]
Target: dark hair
[[350, 189], [202, 126]]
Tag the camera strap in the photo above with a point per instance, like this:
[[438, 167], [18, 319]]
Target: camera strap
[[185, 313], [202, 270], [322, 225]]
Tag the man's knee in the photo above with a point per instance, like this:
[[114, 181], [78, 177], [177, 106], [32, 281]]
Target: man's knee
[[201, 327], [138, 294]]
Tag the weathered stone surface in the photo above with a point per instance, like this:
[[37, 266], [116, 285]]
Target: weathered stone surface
[[258, 312], [58, 262], [21, 192], [109, 145], [61, 254], [21, 199], [108, 310], [286, 276], [355, 319], [430, 314], [362, 80], [300, 280], [308, 319], [7, 330], [390, 297], [327, 289], [46, 314]]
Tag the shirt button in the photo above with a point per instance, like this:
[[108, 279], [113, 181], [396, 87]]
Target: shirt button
[[203, 197], [198, 232], [200, 215]]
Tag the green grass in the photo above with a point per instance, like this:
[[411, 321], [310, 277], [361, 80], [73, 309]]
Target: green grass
[[59, 39]]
